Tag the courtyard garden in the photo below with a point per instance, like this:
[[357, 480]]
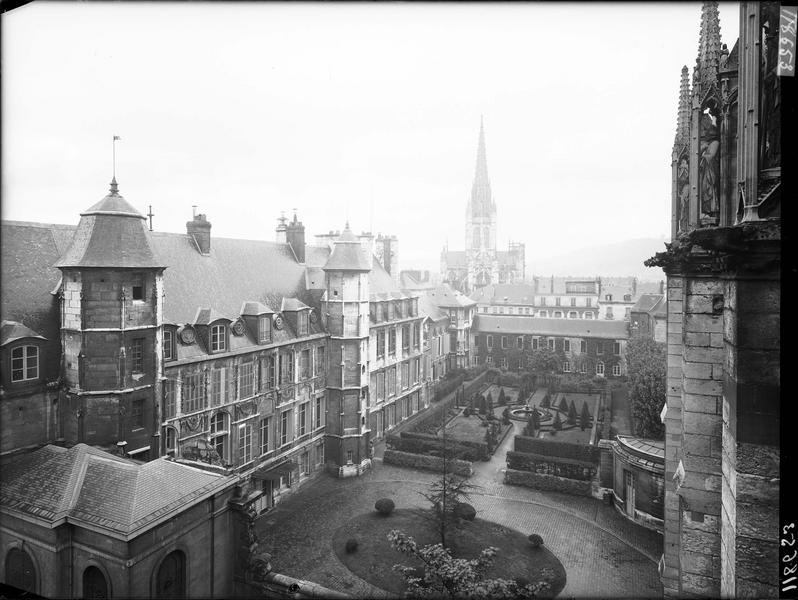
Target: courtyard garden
[[371, 556]]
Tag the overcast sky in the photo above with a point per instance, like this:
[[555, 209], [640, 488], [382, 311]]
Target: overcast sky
[[365, 110]]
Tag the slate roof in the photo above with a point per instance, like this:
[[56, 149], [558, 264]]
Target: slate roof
[[427, 308], [235, 271], [587, 328], [292, 304], [646, 302], [347, 254], [86, 485], [111, 234], [556, 285], [27, 278], [446, 297], [517, 293], [649, 454], [11, 331], [660, 309]]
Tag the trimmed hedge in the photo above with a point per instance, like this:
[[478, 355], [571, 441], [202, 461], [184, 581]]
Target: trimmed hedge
[[535, 540], [546, 465], [430, 446], [547, 482], [481, 448], [550, 449], [429, 463]]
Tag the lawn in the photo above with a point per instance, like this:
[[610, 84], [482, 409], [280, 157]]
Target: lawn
[[374, 559]]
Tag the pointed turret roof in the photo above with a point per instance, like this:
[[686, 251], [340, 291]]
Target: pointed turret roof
[[347, 255], [683, 116], [709, 46], [481, 199], [111, 233]]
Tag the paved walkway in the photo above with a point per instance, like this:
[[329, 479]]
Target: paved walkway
[[604, 554]]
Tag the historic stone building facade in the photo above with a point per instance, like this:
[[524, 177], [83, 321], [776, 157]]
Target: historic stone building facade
[[481, 263], [723, 302]]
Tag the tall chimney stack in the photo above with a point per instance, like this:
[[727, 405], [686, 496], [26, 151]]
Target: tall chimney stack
[[200, 229]]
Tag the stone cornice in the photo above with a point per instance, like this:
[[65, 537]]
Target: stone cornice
[[753, 247]]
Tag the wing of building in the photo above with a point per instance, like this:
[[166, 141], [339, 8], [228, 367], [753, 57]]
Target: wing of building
[[723, 315]]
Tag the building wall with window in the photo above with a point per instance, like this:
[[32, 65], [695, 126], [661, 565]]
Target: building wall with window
[[103, 533], [461, 311], [597, 348]]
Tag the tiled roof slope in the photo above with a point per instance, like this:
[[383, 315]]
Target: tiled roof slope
[[234, 272], [27, 278], [427, 308], [87, 485], [446, 297], [646, 302], [12, 331], [111, 234], [594, 328]]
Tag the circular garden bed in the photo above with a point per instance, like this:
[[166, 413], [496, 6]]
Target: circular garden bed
[[374, 558]]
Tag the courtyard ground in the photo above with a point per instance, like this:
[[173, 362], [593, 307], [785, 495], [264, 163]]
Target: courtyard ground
[[604, 554]]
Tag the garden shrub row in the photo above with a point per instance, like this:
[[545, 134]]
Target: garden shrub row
[[547, 482], [454, 379], [545, 465], [429, 463], [432, 446], [549, 448], [481, 448]]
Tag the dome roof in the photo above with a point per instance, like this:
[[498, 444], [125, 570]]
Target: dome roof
[[348, 254], [111, 233]]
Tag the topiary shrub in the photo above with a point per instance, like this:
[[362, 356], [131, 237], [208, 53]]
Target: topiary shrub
[[465, 511], [572, 414], [351, 546], [467, 411], [564, 405], [546, 402], [384, 506], [483, 410], [557, 422], [535, 540], [502, 398]]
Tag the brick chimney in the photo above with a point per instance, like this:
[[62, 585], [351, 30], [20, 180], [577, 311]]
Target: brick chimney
[[295, 236], [200, 230]]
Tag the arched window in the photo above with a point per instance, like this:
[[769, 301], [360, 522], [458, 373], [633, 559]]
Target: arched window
[[20, 571], [477, 238], [94, 584], [599, 368], [171, 579]]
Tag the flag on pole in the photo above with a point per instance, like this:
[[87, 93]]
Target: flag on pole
[[116, 137]]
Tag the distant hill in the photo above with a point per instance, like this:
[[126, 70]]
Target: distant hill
[[614, 260]]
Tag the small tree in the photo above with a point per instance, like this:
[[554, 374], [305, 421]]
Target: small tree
[[487, 400], [584, 417], [502, 397], [563, 404], [546, 402], [572, 414], [529, 430], [449, 577], [535, 418], [489, 405], [506, 416], [557, 422]]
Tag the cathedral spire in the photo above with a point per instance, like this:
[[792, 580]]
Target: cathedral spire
[[481, 199], [683, 117], [709, 46]]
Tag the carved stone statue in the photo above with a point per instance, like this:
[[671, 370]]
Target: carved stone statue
[[709, 167], [683, 185]]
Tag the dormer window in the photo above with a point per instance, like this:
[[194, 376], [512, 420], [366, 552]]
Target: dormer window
[[302, 322], [25, 363], [138, 287], [608, 297], [264, 329], [627, 297], [218, 338]]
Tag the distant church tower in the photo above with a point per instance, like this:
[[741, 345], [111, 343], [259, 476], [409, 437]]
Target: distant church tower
[[481, 258]]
